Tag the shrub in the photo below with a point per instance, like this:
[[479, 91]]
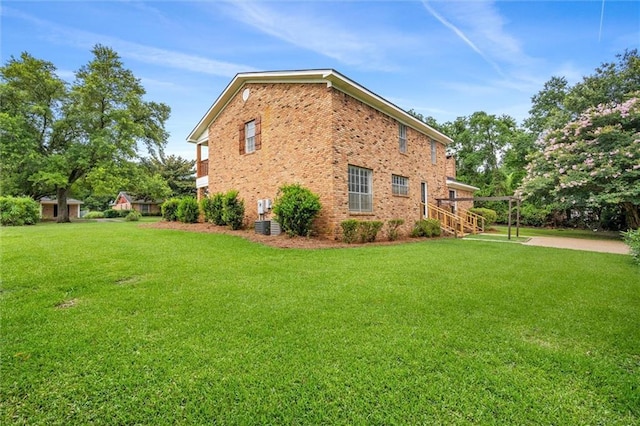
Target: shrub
[[111, 213], [530, 215], [232, 210], [363, 231], [392, 228], [18, 211], [368, 230], [94, 215], [426, 228], [212, 208], [188, 210], [295, 209], [133, 216], [632, 239], [349, 230], [169, 209], [489, 215]]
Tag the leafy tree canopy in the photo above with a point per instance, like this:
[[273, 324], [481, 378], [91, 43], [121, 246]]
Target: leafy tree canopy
[[592, 161], [65, 132], [178, 172]]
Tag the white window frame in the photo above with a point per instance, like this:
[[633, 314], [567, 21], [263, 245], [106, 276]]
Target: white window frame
[[402, 138], [360, 186], [400, 185], [250, 137]]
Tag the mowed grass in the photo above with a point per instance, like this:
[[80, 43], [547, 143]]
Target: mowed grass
[[113, 323], [558, 232]]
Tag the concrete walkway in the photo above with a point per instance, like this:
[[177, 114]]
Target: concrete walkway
[[604, 246]]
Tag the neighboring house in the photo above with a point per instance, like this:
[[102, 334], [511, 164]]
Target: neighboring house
[[125, 202], [49, 208], [366, 158]]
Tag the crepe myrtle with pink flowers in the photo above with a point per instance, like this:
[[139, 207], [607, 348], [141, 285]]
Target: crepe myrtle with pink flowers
[[592, 162]]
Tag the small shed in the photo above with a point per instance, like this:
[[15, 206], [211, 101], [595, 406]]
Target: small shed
[[49, 208]]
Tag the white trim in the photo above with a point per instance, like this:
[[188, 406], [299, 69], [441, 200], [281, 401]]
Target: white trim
[[332, 79], [202, 182], [461, 186]]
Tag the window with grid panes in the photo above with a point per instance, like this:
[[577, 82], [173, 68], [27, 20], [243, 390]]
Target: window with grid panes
[[402, 137], [399, 185], [250, 137], [360, 189]]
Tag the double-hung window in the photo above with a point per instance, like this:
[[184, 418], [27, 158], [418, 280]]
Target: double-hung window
[[360, 189], [250, 137], [402, 137], [399, 185]]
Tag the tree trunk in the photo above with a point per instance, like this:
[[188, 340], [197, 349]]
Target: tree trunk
[[63, 210], [632, 213]]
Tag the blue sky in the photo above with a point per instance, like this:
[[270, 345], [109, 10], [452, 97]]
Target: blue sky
[[441, 58]]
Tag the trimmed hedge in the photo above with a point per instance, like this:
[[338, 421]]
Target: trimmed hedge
[[169, 209], [490, 216], [295, 209], [188, 210], [426, 228], [212, 208], [232, 210], [93, 215], [364, 231], [19, 211], [392, 228]]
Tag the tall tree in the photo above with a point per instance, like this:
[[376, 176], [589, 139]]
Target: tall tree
[[178, 172], [481, 141], [31, 97], [592, 162], [102, 120]]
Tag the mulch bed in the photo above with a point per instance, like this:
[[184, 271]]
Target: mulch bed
[[280, 241]]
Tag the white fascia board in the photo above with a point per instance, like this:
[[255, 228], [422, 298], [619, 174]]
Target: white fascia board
[[461, 186]]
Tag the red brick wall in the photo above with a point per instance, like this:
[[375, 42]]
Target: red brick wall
[[309, 135]]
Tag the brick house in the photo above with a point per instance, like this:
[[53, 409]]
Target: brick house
[[366, 158], [125, 201], [49, 208]]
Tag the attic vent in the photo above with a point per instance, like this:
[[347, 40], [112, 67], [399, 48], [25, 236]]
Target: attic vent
[[245, 94]]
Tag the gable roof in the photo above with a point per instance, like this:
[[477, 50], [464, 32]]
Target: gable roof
[[53, 200], [331, 78], [130, 199]]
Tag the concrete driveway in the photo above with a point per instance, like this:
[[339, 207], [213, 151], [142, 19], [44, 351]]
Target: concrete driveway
[[604, 246]]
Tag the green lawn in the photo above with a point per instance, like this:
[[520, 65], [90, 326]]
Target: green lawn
[[559, 232], [113, 323]]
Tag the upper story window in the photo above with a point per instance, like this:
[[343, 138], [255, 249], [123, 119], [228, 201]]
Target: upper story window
[[399, 185], [250, 136], [360, 189], [434, 151], [402, 137]]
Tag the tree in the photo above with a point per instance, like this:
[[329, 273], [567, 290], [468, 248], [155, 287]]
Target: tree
[[31, 98], [481, 141], [591, 162], [99, 121], [178, 172], [557, 103]]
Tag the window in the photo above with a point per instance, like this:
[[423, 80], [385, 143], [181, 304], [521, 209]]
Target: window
[[250, 137], [399, 185], [360, 189], [402, 137], [434, 151], [144, 208]]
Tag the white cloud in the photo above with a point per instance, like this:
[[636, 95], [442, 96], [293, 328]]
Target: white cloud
[[334, 38], [139, 52]]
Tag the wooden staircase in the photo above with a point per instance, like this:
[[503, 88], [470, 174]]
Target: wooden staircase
[[458, 225]]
